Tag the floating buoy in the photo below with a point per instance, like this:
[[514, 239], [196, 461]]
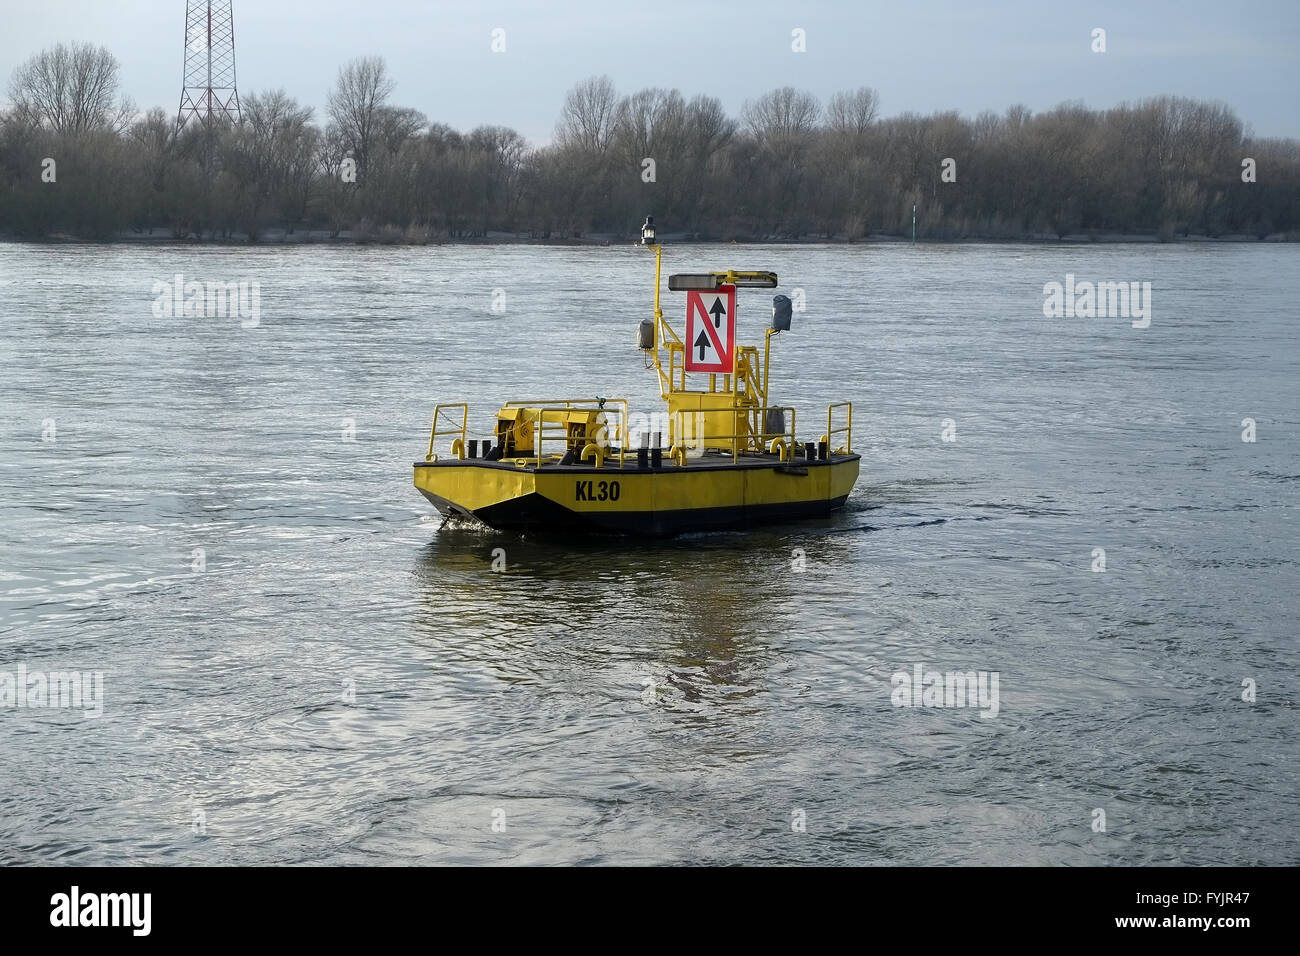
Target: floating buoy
[[572, 465]]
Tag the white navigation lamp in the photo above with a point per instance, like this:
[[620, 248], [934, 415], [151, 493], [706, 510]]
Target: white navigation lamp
[[648, 231]]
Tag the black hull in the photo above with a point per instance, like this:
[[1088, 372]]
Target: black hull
[[537, 514]]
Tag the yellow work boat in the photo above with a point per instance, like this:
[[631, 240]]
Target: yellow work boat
[[731, 459]]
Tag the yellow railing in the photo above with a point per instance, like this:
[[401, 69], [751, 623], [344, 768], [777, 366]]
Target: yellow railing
[[846, 429], [436, 432], [676, 368], [558, 427], [748, 370], [754, 438]]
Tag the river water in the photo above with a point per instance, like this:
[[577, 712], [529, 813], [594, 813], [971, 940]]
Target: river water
[[301, 665]]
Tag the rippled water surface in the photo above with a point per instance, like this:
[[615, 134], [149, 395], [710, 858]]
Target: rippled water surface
[[618, 701]]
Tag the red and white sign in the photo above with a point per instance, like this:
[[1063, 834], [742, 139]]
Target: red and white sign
[[711, 330]]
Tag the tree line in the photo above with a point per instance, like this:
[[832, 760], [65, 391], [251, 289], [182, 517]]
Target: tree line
[[77, 158]]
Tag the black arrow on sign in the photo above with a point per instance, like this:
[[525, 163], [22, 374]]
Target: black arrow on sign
[[702, 343], [718, 311]]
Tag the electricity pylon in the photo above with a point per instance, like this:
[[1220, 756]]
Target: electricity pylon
[[208, 92]]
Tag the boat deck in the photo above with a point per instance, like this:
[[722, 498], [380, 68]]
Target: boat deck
[[709, 461]]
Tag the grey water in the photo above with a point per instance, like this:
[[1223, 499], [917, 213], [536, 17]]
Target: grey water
[[302, 664]]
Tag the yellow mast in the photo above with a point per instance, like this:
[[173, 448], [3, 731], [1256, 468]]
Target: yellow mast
[[717, 410]]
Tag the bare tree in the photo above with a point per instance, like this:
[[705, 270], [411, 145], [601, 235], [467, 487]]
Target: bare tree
[[852, 113], [267, 155], [651, 123], [783, 124], [71, 89], [1018, 116], [336, 197], [589, 115], [782, 116], [845, 164], [709, 126], [395, 126], [357, 102]]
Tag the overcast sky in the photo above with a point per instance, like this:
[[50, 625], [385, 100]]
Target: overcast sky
[[922, 55]]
